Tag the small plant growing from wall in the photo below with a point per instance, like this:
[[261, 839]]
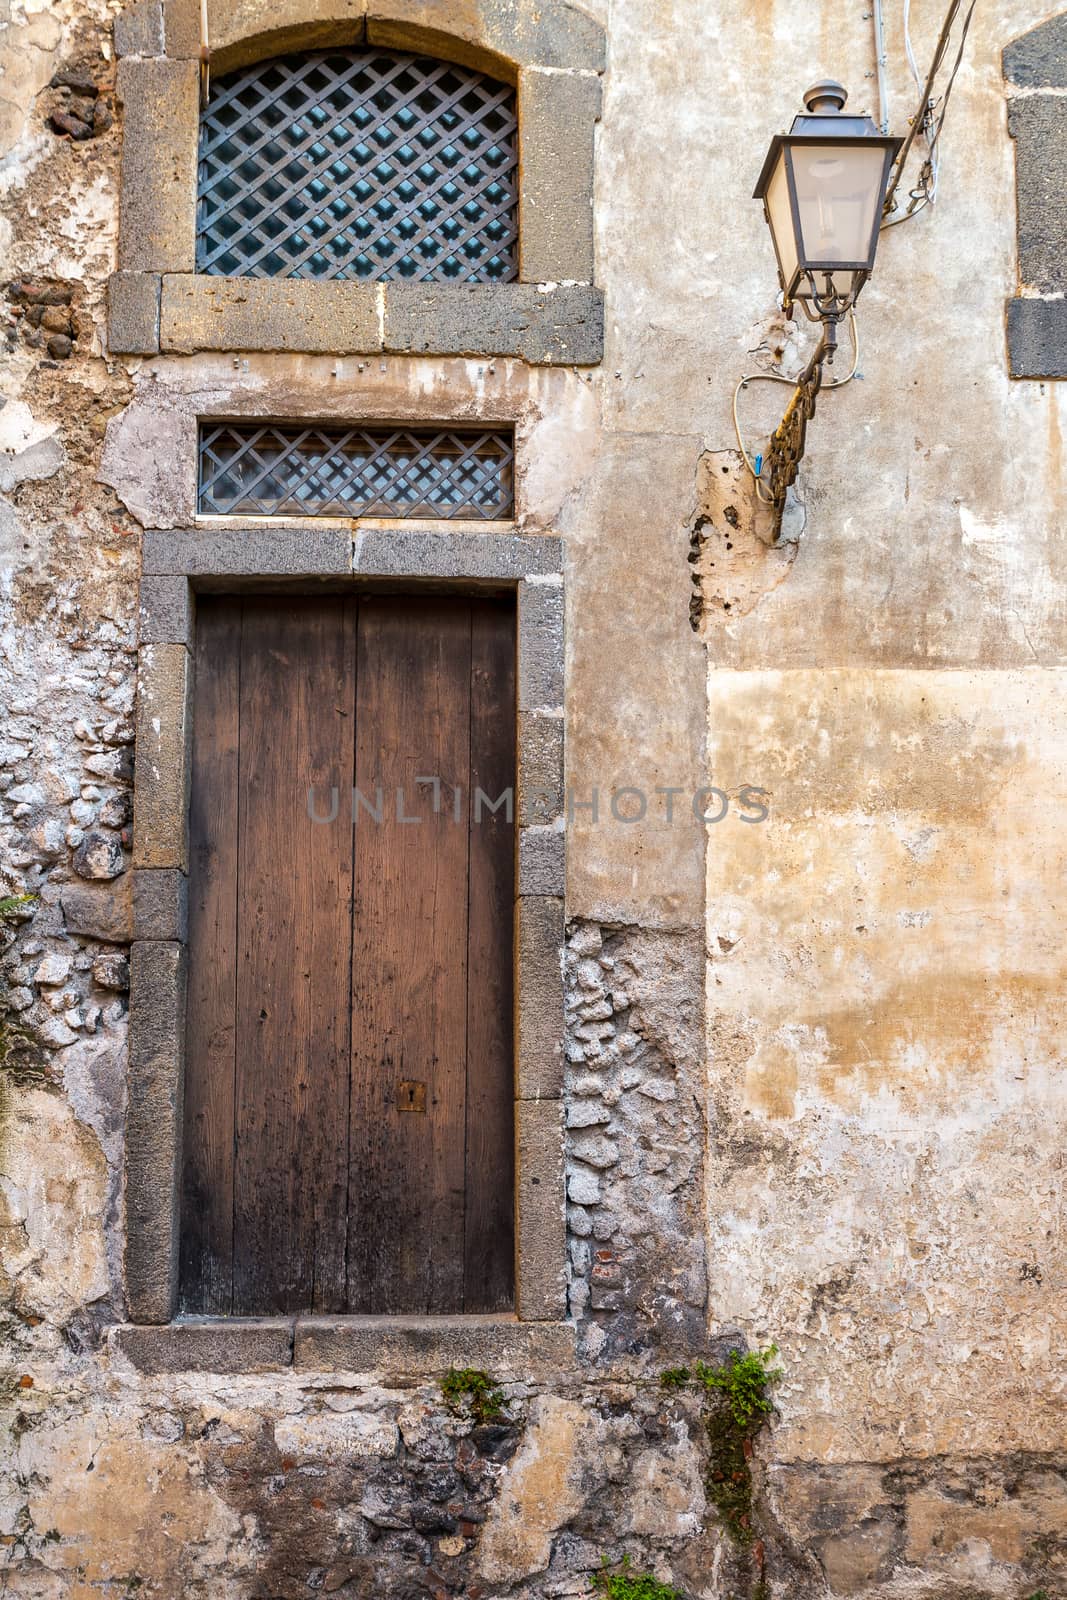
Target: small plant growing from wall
[[626, 1584], [737, 1404], [470, 1387]]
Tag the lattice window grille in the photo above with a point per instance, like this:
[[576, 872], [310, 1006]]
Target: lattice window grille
[[359, 164], [274, 469]]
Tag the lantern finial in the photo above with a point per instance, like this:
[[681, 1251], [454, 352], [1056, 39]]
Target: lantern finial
[[825, 98]]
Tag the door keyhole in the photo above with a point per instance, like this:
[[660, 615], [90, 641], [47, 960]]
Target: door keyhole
[[411, 1096]]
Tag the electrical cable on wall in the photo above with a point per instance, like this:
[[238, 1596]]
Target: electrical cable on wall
[[929, 118]]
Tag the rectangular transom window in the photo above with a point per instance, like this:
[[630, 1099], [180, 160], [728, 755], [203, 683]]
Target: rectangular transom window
[[287, 469]]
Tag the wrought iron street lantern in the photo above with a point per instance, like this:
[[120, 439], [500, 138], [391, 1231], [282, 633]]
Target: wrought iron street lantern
[[823, 186]]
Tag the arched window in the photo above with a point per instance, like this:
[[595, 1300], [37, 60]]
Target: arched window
[[359, 164]]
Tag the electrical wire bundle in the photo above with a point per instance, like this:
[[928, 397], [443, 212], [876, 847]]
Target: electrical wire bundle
[[929, 119]]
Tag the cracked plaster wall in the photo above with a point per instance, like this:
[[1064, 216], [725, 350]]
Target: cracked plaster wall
[[880, 1189]]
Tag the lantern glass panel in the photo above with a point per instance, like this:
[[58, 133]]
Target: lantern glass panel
[[780, 216], [839, 191]]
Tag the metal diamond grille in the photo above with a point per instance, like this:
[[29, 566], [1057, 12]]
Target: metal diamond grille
[[278, 469], [358, 164]]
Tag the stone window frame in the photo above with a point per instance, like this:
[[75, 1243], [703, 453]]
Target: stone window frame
[[552, 52], [254, 555], [1035, 71]]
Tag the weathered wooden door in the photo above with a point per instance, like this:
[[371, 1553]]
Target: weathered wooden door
[[348, 1101]]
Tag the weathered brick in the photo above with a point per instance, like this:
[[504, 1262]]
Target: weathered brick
[[158, 195], [161, 774], [557, 131]]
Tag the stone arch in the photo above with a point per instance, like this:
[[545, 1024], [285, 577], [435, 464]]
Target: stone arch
[[1035, 67]]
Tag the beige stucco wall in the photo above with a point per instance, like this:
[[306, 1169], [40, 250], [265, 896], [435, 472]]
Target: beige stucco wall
[[884, 1021], [885, 955]]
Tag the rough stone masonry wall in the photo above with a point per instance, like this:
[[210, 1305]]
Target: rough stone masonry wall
[[898, 1237], [635, 1141]]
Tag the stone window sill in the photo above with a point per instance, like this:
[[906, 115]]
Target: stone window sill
[[394, 1348], [545, 324]]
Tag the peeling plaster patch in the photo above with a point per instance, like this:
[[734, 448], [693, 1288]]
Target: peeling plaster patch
[[547, 1484], [53, 1189], [733, 565], [20, 430], [37, 463]]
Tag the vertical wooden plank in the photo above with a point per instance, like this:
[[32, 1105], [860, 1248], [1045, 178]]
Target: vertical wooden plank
[[489, 1246], [293, 998], [409, 979], [206, 1268]]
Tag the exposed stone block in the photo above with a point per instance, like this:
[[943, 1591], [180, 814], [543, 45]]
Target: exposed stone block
[[153, 1127], [99, 913], [161, 904], [542, 861], [139, 29], [158, 195], [424, 1347], [539, 1197], [559, 116], [539, 1001], [545, 326], [253, 30], [133, 313], [161, 774], [1038, 124], [541, 642], [1039, 59], [233, 1344], [540, 769], [492, 34], [1037, 338], [410, 553], [257, 552], [329, 317], [166, 611]]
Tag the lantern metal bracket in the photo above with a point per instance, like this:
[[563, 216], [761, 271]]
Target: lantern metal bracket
[[775, 471], [786, 449]]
